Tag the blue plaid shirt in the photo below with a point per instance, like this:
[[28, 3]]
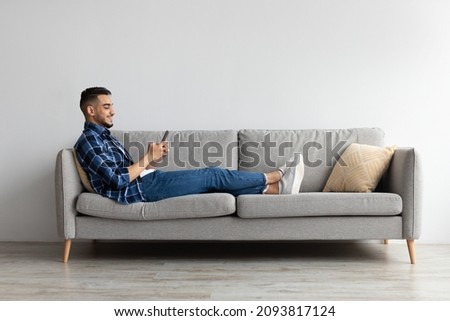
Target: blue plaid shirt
[[105, 161]]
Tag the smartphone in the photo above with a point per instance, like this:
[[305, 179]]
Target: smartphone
[[165, 136]]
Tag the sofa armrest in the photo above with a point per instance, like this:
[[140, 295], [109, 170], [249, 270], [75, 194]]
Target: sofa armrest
[[404, 178], [67, 188]]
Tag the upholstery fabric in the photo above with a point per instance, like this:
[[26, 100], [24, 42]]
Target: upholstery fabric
[[67, 188], [189, 149], [233, 228], [264, 150], [319, 204], [189, 206], [404, 177]]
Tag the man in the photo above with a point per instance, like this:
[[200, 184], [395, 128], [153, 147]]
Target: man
[[113, 174]]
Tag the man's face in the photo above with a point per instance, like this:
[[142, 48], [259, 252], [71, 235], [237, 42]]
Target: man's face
[[102, 112]]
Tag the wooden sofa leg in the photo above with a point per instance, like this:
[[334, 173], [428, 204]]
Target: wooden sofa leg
[[386, 242], [412, 251], [67, 245]]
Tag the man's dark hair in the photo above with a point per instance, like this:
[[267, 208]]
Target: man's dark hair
[[89, 96]]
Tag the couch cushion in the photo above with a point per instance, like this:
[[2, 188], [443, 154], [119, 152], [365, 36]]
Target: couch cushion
[[82, 174], [319, 204], [263, 150], [190, 206], [189, 149], [359, 169]]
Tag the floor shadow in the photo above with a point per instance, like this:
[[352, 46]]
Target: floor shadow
[[227, 250]]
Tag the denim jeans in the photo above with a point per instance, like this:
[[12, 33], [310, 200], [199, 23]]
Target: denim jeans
[[160, 185]]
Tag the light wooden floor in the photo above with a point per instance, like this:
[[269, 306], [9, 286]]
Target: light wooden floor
[[223, 271]]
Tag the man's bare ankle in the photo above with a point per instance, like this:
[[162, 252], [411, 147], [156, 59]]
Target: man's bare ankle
[[272, 189], [273, 177]]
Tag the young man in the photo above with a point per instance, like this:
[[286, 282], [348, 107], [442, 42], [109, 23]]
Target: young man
[[113, 174]]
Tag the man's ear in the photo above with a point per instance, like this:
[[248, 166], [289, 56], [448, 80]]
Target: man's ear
[[90, 110]]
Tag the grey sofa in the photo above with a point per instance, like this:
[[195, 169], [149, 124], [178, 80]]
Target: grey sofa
[[392, 211]]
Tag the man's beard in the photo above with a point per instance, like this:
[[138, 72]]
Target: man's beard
[[107, 125]]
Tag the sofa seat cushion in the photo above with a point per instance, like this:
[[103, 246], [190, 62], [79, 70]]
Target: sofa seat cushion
[[319, 204], [190, 206]]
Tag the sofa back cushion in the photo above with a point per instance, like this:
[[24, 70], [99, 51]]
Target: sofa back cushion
[[265, 150], [189, 149]]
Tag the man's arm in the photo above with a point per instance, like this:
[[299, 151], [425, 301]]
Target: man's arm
[[154, 153], [94, 160]]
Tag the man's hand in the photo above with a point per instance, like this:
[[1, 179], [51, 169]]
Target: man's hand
[[156, 152]]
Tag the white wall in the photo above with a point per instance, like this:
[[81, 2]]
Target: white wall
[[228, 64]]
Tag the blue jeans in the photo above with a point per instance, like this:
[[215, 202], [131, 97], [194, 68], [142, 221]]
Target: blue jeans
[[160, 185]]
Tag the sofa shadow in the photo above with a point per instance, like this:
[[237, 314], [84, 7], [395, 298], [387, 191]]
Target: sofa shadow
[[323, 251]]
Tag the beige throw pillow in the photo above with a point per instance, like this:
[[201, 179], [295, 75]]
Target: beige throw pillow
[[360, 168], [83, 176]]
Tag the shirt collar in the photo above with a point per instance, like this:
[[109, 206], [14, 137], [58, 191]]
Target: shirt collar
[[96, 128]]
